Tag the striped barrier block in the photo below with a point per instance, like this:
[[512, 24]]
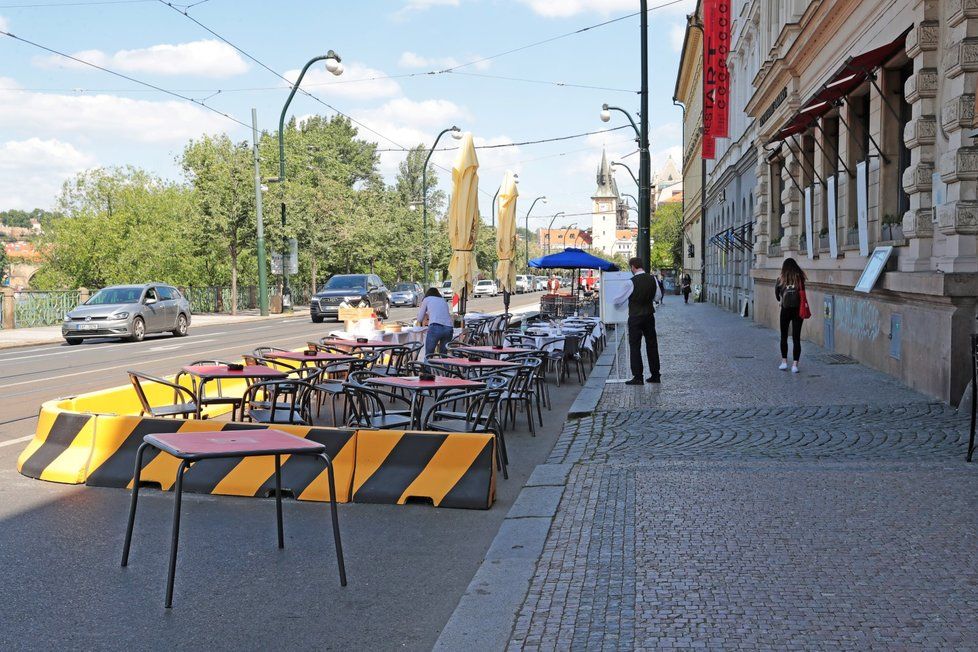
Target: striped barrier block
[[450, 469], [100, 450]]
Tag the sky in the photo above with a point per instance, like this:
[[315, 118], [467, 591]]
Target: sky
[[59, 117]]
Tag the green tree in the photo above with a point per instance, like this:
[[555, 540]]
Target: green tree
[[667, 231], [221, 175]]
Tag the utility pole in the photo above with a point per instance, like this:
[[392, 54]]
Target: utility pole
[[645, 161], [260, 227]]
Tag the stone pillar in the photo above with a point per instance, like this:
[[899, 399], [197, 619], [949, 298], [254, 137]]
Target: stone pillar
[[957, 218], [919, 135], [791, 218], [762, 226], [8, 307]]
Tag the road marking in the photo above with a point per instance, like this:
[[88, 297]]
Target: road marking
[[130, 364], [11, 442], [179, 345]]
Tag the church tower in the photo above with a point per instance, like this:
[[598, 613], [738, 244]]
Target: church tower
[[604, 209]]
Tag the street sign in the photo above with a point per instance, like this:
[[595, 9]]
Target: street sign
[[293, 260]]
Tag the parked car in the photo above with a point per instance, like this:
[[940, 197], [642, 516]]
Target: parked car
[[407, 294], [129, 311], [485, 287], [446, 290], [539, 283], [524, 283], [352, 289]]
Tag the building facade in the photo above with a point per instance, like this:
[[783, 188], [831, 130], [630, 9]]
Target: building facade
[[731, 176], [688, 96], [863, 113], [608, 212]]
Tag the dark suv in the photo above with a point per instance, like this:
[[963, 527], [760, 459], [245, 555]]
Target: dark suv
[[353, 289]]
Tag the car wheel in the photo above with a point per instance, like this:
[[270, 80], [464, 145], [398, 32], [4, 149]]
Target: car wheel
[[74, 340], [183, 326], [317, 320], [138, 330], [385, 313]]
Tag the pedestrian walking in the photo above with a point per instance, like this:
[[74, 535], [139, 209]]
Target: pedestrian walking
[[687, 287], [640, 295], [661, 285], [553, 284], [790, 292], [435, 313]]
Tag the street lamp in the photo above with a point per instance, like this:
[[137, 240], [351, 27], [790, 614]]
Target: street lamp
[[457, 135], [527, 226], [550, 227], [566, 232], [335, 66], [645, 163], [516, 179], [622, 165]]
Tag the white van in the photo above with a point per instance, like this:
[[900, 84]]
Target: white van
[[523, 284]]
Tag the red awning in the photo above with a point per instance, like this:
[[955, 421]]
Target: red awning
[[847, 78]]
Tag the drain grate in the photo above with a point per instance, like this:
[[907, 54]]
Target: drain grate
[[836, 358], [744, 357]]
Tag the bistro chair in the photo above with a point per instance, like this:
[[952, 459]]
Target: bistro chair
[[202, 398], [370, 407], [184, 409], [278, 402], [331, 383], [539, 376], [522, 393]]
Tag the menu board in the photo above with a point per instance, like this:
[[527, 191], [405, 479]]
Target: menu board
[[612, 285]]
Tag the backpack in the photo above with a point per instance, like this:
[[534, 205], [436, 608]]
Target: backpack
[[790, 297]]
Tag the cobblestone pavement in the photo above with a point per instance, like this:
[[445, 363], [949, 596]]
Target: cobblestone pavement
[[738, 507]]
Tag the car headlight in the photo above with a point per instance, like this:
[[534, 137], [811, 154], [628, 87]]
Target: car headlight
[[67, 317], [357, 297], [120, 315]]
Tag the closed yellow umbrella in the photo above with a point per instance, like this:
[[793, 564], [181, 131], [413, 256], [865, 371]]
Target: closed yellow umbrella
[[463, 218], [506, 235]]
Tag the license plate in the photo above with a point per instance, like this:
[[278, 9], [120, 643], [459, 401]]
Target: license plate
[[88, 327]]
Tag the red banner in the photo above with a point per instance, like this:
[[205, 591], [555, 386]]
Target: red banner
[[709, 147], [716, 79]]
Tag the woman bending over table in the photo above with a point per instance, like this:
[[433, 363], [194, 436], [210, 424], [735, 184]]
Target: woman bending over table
[[435, 313]]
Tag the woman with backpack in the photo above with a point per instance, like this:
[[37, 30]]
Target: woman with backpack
[[790, 291]]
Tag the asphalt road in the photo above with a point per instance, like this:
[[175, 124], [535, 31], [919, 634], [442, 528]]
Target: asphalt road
[[407, 565], [32, 375]]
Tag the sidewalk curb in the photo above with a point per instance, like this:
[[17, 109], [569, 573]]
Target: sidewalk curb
[[587, 400], [484, 617]]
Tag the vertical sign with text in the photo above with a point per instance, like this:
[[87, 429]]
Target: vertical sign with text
[[716, 79]]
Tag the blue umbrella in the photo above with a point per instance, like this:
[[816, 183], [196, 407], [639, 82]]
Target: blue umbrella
[[572, 258]]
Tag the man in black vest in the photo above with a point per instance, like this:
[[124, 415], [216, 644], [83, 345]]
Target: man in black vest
[[640, 295]]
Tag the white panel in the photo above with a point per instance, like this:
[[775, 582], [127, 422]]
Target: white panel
[[833, 217], [611, 286], [862, 215], [811, 239]]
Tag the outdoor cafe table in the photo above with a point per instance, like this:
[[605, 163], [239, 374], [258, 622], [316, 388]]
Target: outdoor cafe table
[[493, 351], [319, 358], [466, 365], [418, 387], [205, 373]]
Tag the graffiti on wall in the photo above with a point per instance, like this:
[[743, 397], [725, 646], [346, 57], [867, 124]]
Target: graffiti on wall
[[857, 318]]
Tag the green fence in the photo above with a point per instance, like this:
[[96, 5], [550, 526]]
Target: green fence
[[217, 299], [43, 308]]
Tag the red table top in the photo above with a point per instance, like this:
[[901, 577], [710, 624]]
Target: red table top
[[506, 350], [465, 362], [221, 371], [226, 443], [413, 382], [301, 355]]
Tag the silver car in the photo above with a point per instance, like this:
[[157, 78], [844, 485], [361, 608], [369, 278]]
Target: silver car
[[129, 311]]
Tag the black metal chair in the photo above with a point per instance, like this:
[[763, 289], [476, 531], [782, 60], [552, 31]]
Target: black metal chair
[[539, 376], [278, 402], [332, 383], [522, 393], [186, 410], [200, 392], [480, 415], [368, 409]]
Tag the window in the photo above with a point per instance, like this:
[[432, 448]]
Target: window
[[860, 109], [906, 113], [776, 201], [164, 293]]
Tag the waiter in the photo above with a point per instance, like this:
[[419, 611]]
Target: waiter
[[640, 295]]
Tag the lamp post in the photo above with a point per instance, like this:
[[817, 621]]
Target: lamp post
[[335, 66], [516, 179], [456, 134], [550, 227], [527, 226], [645, 163], [630, 173], [566, 232]]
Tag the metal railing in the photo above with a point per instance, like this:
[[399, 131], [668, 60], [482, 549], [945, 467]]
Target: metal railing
[[43, 308], [217, 299]]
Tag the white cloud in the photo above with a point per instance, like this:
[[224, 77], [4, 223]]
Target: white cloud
[[32, 170], [4, 24], [677, 34], [357, 82], [424, 5], [207, 58], [566, 8], [101, 117], [412, 60]]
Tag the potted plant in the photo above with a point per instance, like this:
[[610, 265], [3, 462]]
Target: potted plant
[[892, 228]]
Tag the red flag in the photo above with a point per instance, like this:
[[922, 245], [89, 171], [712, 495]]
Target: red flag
[[716, 78], [709, 147]]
